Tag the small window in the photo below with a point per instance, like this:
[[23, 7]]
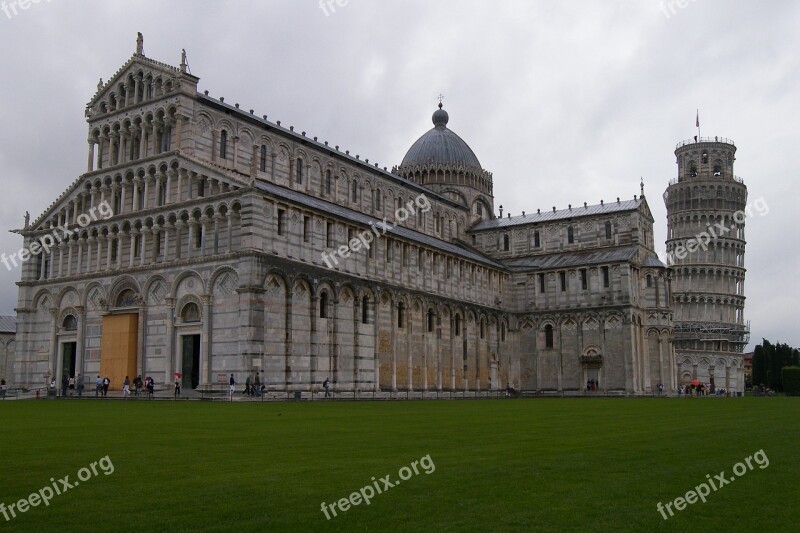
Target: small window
[[483, 329], [298, 171], [431, 320], [458, 325], [365, 310], [541, 284], [323, 305], [480, 209], [606, 279], [306, 228], [281, 221], [329, 234], [548, 336], [563, 277], [584, 279], [502, 333], [570, 235], [377, 199], [223, 145], [536, 242], [198, 238], [354, 191], [389, 251], [705, 158], [70, 323], [328, 182], [649, 280], [263, 160], [506, 243], [401, 311], [608, 230]]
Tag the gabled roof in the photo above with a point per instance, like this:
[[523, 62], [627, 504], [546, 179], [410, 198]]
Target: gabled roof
[[364, 219], [614, 254], [562, 214], [8, 324], [122, 71]]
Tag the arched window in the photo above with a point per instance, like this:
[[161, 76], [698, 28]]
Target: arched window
[[190, 313], [70, 323], [223, 145], [323, 305], [502, 333], [377, 199], [548, 336], [483, 328], [263, 161], [430, 320], [608, 230], [328, 185], [126, 298], [401, 311], [506, 243], [354, 191], [458, 325], [479, 208], [298, 171], [649, 280], [365, 310], [570, 235], [705, 157]]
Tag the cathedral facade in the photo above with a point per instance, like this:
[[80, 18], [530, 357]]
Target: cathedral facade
[[235, 245]]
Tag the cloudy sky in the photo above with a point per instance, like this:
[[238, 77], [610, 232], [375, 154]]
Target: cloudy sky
[[565, 102]]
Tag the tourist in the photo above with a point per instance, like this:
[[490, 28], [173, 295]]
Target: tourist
[[177, 388], [257, 386], [137, 385], [327, 385], [126, 387], [151, 385], [64, 385], [106, 383], [71, 385], [98, 386], [232, 386], [80, 384], [247, 385]]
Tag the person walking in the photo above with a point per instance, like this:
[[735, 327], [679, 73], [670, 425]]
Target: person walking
[[137, 385], [126, 387], [71, 385], [151, 385], [79, 381], [177, 388], [98, 386], [232, 383], [327, 386], [106, 383], [64, 385], [247, 391], [257, 386]]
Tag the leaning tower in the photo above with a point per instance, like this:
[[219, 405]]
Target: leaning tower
[[706, 212]]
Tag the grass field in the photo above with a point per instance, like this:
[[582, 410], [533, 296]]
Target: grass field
[[500, 465]]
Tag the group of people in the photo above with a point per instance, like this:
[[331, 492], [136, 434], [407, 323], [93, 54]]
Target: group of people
[[699, 389], [254, 387], [592, 384], [69, 384]]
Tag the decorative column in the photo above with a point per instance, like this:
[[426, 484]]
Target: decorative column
[[143, 244], [205, 346], [133, 234], [70, 246], [89, 245], [90, 158], [55, 362], [216, 234], [109, 242], [170, 367], [136, 182], [79, 345]]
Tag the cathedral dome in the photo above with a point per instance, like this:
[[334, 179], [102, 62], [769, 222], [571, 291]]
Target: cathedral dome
[[440, 146]]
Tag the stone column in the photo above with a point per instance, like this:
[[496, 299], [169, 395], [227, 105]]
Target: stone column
[[56, 362], [205, 346], [70, 246], [136, 181], [79, 344], [109, 243], [143, 245], [216, 234], [90, 158], [169, 366]]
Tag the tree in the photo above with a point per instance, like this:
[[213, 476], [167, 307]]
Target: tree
[[769, 360]]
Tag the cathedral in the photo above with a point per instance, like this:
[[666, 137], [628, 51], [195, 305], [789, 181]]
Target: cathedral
[[203, 240]]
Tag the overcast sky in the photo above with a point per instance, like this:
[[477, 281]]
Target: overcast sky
[[564, 102]]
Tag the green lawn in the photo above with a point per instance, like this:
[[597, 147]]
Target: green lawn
[[500, 465]]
